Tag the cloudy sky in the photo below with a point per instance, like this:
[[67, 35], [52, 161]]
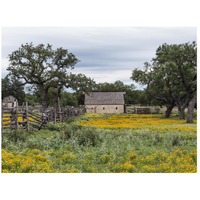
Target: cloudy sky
[[107, 54]]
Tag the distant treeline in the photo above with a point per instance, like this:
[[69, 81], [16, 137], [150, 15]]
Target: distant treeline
[[132, 96]]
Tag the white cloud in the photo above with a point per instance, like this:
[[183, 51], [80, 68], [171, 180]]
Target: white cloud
[[106, 54], [109, 76], [4, 64]]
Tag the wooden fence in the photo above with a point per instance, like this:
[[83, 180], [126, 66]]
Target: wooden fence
[[133, 109], [31, 118]]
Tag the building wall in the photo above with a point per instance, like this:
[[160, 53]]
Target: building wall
[[104, 109], [10, 104]]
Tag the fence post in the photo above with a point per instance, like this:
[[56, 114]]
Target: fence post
[[60, 115], [54, 116], [27, 119], [59, 110], [2, 117], [23, 106], [51, 114], [16, 116]]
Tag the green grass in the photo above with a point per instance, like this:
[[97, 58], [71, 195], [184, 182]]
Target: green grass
[[73, 148]]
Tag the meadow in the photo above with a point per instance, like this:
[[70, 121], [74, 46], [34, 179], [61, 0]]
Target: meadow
[[107, 143]]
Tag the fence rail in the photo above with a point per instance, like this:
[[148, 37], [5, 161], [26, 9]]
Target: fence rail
[[31, 118], [135, 109]]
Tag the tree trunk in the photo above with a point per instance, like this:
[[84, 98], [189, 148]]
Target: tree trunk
[[57, 98], [181, 110], [55, 102], [191, 109], [44, 100], [168, 111]]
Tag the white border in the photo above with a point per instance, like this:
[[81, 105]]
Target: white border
[[99, 13]]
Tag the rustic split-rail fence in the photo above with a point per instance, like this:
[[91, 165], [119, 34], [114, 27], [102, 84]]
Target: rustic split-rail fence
[[33, 118], [133, 109]]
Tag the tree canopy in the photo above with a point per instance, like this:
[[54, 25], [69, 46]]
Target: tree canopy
[[172, 76], [117, 86], [45, 68], [12, 86]]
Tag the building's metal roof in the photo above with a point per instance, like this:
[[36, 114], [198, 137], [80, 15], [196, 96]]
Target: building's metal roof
[[104, 98]]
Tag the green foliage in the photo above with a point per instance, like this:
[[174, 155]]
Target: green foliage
[[14, 87], [47, 71], [86, 137], [80, 98], [68, 99], [117, 86], [176, 140], [32, 99], [17, 135], [69, 120], [172, 76], [52, 127]]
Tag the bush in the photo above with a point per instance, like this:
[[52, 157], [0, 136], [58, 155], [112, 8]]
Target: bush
[[69, 120], [176, 140], [54, 127], [17, 135], [157, 139], [70, 129], [87, 137]]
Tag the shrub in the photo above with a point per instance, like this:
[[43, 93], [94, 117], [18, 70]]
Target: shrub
[[69, 120], [87, 137], [176, 140], [157, 139], [17, 135]]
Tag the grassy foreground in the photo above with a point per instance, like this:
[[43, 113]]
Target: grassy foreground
[[104, 143]]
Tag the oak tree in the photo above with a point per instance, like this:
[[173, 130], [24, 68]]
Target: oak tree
[[41, 66], [172, 76]]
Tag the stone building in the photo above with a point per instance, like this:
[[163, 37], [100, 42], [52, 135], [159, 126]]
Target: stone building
[[105, 102], [9, 102]]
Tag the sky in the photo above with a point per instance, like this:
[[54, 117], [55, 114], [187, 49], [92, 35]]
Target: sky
[[106, 54]]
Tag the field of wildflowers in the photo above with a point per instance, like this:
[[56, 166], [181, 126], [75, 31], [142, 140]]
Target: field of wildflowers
[[137, 121], [107, 143]]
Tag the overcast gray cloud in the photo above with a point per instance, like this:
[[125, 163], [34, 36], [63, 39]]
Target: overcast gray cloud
[[106, 54]]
